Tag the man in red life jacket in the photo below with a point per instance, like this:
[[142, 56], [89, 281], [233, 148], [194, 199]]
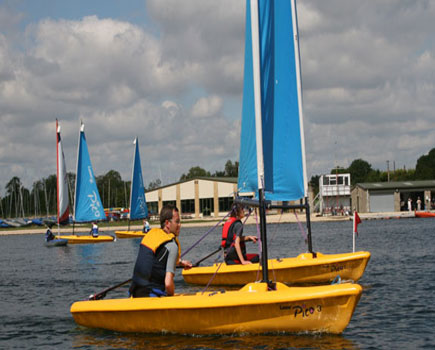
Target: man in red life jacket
[[233, 240]]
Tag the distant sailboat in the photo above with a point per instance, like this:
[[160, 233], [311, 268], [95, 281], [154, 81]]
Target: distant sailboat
[[262, 307], [62, 193], [62, 182], [87, 202], [138, 204]]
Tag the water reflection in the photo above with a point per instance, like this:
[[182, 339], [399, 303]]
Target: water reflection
[[107, 340]]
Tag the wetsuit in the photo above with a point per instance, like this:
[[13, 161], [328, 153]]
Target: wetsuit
[[49, 235]]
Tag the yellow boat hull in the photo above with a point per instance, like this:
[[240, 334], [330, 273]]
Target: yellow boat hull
[[252, 309], [75, 239], [303, 269], [129, 234]]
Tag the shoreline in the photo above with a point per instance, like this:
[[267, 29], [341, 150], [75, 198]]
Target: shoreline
[[271, 218]]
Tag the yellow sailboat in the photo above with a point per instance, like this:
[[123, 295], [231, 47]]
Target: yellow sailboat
[[303, 269], [85, 239], [272, 159], [129, 234], [252, 309], [258, 307], [87, 201]]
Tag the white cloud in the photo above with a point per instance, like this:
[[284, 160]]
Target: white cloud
[[207, 107], [368, 73]]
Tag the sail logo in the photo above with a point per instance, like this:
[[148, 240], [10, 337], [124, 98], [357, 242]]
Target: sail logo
[[91, 176], [302, 310], [141, 203], [95, 205], [334, 267]]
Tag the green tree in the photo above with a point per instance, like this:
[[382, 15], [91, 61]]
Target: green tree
[[195, 172], [113, 190], [13, 185], [339, 170], [231, 170], [425, 168], [154, 184], [403, 175], [13, 192], [219, 173], [315, 183], [359, 171]]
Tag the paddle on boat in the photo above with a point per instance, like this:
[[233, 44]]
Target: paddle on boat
[[258, 307]]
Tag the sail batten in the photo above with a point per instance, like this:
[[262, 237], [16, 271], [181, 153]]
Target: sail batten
[[138, 205], [87, 203], [281, 106]]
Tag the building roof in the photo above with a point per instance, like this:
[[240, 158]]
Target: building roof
[[400, 185], [232, 180]]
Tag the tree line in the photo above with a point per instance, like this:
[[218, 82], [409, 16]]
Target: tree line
[[41, 200], [362, 171]]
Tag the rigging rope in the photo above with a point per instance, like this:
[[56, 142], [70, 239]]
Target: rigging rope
[[304, 234], [219, 256], [205, 235], [271, 240]]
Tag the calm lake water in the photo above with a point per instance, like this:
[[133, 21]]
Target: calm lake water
[[397, 309]]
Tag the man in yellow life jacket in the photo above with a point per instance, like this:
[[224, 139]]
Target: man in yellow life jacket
[[159, 253]]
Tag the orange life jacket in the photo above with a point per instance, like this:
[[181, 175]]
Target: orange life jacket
[[228, 241]]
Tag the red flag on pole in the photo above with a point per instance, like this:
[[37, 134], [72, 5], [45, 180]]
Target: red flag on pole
[[356, 221]]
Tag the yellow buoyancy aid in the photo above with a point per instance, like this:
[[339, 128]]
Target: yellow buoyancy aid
[[156, 237]]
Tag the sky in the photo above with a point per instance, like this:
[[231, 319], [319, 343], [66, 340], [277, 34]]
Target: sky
[[171, 73]]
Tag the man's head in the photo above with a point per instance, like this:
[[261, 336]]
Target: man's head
[[170, 219]]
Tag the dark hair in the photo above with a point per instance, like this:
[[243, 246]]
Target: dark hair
[[166, 214], [236, 209]]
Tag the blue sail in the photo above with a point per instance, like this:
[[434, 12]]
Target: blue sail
[[138, 204], [87, 204], [281, 111]]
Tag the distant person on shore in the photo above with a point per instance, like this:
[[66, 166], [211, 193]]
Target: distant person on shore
[[146, 226], [418, 204], [409, 204], [94, 230], [159, 254], [233, 240], [49, 236]]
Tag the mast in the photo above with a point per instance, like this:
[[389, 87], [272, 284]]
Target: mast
[[132, 174], [301, 121], [57, 176], [82, 129], [259, 135], [46, 198], [131, 184], [299, 90]]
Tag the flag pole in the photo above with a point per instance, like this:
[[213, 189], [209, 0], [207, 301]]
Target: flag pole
[[356, 221], [354, 224]]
